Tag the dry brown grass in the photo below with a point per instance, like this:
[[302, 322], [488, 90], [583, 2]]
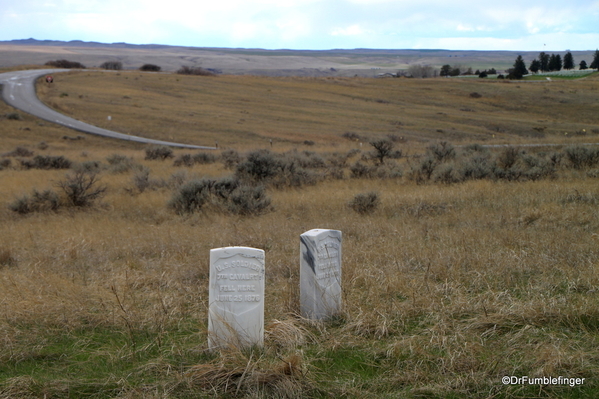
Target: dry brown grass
[[447, 288], [250, 111]]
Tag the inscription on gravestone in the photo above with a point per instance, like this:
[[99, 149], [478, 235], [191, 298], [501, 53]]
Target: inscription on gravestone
[[236, 297], [320, 273]]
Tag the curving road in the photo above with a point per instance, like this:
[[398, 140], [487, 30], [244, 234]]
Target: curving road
[[18, 91]]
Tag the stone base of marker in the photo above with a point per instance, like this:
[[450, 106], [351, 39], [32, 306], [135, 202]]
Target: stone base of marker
[[320, 274], [236, 297]]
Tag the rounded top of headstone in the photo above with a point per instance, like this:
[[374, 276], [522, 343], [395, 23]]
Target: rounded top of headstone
[[317, 232]]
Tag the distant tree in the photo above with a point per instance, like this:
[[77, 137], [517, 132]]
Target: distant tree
[[149, 68], [421, 71], [595, 63], [483, 74], [519, 68], [568, 61], [455, 72], [544, 61], [445, 70], [185, 70], [583, 65], [535, 66], [492, 71], [65, 64], [112, 65], [555, 62]]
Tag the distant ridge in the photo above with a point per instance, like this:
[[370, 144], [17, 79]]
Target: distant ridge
[[80, 43], [362, 51]]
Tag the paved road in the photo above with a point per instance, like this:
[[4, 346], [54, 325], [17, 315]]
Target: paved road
[[18, 90]]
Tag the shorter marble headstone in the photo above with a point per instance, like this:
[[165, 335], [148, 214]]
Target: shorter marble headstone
[[320, 274], [236, 297]]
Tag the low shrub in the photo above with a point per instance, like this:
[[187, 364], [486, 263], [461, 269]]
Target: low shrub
[[230, 159], [88, 167], [5, 163], [365, 203], [224, 195], [142, 181], [46, 162], [581, 157], [43, 201], [264, 167], [14, 116], [198, 71], [352, 136], [447, 174], [442, 151], [160, 152], [476, 167], [259, 166], [246, 200], [120, 163], [19, 152], [82, 189], [189, 160], [184, 160], [423, 170]]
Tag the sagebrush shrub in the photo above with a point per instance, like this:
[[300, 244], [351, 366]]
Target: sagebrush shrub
[[442, 151], [38, 201], [120, 163], [230, 158], [365, 203], [249, 200], [225, 195], [259, 166], [191, 196], [5, 163], [160, 152], [184, 160], [46, 162], [582, 157], [476, 167], [19, 152], [82, 189], [423, 170], [447, 174]]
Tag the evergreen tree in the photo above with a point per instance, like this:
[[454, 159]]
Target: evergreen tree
[[544, 61], [519, 68], [568, 61], [535, 66], [445, 70], [583, 65], [555, 62], [595, 63]]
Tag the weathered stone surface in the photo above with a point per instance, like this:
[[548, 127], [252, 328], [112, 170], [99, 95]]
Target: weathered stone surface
[[236, 297], [320, 273]]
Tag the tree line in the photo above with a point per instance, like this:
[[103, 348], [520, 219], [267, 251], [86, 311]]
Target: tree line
[[550, 63]]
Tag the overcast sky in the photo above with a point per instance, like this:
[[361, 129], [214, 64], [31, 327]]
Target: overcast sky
[[532, 25]]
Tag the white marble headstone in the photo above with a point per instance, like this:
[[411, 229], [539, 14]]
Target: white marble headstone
[[236, 297], [320, 273]]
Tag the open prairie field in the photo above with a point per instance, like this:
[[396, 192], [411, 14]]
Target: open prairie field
[[462, 264]]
